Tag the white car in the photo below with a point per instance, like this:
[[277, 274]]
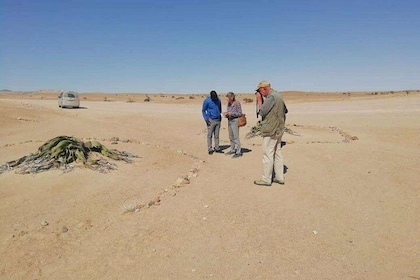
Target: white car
[[68, 99]]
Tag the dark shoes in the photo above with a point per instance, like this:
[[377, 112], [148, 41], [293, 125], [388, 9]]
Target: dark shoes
[[219, 151], [237, 155], [230, 153]]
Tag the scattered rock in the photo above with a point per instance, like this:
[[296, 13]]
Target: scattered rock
[[23, 233], [181, 152], [85, 225], [180, 182], [64, 229], [44, 223], [157, 200], [193, 173]]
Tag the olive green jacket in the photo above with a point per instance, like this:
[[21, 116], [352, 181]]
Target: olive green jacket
[[273, 112]]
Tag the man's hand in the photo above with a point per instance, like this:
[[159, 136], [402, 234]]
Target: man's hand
[[208, 122], [258, 102], [258, 99]]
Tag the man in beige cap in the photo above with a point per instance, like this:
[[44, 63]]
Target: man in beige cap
[[273, 111]]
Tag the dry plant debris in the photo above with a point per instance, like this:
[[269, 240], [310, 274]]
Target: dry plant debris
[[61, 151], [256, 131]]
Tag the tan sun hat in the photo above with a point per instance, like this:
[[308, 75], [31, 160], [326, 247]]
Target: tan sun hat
[[262, 84]]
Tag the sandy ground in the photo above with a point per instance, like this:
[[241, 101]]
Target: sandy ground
[[349, 208]]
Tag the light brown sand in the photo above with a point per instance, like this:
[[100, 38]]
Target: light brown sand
[[348, 210]]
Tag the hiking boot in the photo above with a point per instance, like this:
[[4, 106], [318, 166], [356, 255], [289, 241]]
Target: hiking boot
[[262, 183], [211, 152], [237, 155], [218, 151], [281, 182]]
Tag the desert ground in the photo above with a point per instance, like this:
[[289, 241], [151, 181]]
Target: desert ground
[[349, 209]]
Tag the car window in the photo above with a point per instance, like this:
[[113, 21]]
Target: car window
[[71, 95]]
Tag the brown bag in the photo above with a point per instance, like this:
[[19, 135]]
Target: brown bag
[[242, 120]]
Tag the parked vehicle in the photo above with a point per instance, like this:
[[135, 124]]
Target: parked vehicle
[[69, 99]]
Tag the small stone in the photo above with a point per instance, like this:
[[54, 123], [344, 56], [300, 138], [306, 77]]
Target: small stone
[[64, 229], [181, 182], [22, 233], [157, 200], [44, 223], [206, 206], [314, 232]]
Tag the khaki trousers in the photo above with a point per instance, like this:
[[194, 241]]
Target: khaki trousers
[[272, 159]]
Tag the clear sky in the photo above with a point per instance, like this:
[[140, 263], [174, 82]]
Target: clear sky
[[194, 46]]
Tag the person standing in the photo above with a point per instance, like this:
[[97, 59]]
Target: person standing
[[234, 111], [211, 111], [273, 112]]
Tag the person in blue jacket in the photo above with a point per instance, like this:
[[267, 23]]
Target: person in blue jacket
[[211, 110]]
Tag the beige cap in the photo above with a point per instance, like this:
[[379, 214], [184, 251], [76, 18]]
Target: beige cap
[[263, 84]]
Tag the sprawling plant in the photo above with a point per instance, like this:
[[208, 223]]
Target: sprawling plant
[[61, 151]]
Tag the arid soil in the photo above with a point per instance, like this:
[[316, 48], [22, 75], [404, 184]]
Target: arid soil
[[349, 208]]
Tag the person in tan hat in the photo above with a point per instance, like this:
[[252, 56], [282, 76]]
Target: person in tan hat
[[258, 98], [273, 111]]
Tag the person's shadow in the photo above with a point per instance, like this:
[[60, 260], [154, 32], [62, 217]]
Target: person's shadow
[[243, 150], [73, 108]]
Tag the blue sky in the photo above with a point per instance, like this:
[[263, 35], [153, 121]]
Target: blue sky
[[194, 46]]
